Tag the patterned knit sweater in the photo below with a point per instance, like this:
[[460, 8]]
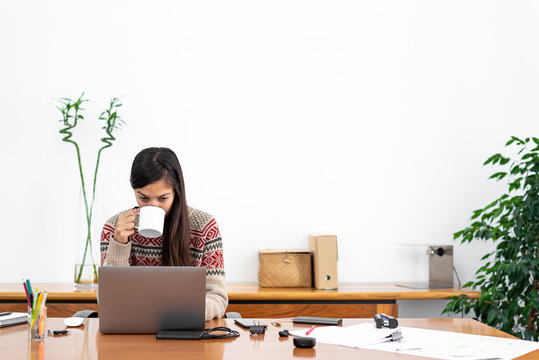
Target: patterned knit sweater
[[206, 249]]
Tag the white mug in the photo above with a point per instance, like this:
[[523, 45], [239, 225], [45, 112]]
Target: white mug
[[151, 220]]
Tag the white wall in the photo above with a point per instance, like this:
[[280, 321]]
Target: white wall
[[369, 120]]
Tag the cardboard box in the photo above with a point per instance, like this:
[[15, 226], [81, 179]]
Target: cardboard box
[[325, 256]]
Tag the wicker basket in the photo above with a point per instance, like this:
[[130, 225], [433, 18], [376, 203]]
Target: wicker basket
[[285, 268]]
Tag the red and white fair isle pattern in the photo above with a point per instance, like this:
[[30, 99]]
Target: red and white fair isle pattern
[[206, 248]]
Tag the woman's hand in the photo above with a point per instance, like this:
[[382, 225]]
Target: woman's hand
[[125, 226]]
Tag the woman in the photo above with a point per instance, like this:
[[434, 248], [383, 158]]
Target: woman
[[190, 237]]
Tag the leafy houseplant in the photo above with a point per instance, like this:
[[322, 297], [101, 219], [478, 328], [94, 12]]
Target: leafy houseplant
[[71, 115], [509, 280]]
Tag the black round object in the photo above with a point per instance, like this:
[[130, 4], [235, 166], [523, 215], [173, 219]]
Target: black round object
[[283, 333], [304, 342]]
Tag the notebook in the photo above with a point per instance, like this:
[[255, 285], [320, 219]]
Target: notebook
[[149, 299], [13, 318]]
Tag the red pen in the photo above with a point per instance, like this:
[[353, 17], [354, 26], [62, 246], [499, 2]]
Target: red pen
[[310, 330], [27, 295]]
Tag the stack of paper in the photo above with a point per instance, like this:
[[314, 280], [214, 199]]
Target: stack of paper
[[14, 318], [353, 336], [423, 342]]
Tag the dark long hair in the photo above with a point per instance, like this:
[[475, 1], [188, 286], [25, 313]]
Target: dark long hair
[[154, 164]]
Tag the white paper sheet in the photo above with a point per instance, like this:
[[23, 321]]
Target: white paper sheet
[[352, 336], [424, 342]]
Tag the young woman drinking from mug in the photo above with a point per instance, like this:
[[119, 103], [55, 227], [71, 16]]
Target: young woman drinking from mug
[[190, 237]]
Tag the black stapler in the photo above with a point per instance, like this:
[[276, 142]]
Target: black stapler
[[382, 320]]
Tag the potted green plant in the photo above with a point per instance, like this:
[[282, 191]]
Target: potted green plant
[[85, 265], [509, 279]]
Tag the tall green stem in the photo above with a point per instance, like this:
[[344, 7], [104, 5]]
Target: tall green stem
[[68, 134], [113, 122], [109, 128]]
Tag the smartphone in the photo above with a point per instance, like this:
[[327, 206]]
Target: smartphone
[[247, 323], [316, 320]]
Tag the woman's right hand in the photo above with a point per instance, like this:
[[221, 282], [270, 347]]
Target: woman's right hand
[[125, 226]]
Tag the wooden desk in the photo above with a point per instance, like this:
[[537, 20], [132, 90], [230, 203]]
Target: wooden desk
[[86, 342], [351, 300]]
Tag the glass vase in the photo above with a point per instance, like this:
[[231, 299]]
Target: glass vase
[[85, 277], [85, 271]]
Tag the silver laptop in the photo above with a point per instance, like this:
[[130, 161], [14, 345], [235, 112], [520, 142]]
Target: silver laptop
[[149, 299]]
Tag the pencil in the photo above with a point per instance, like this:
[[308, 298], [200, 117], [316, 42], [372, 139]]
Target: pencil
[[35, 312], [42, 314]]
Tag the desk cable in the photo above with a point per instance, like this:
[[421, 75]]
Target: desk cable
[[457, 275], [228, 333], [458, 280]]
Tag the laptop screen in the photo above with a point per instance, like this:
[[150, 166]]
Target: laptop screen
[[148, 299]]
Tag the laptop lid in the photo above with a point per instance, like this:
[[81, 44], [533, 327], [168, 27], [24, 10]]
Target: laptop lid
[[147, 299]]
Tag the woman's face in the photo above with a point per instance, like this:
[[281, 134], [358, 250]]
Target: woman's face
[[156, 194]]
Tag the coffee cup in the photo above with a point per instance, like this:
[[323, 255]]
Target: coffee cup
[[150, 221]]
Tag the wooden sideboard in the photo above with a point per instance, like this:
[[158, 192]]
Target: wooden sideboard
[[350, 300]]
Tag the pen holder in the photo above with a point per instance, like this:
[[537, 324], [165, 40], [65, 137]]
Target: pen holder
[[37, 324]]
